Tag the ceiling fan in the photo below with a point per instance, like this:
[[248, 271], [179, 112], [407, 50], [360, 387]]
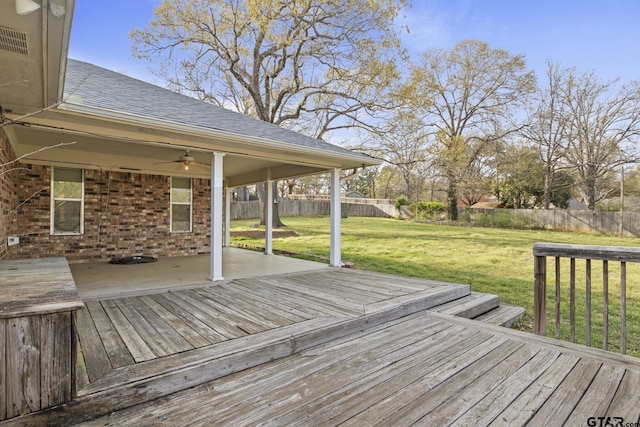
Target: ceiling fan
[[186, 162]]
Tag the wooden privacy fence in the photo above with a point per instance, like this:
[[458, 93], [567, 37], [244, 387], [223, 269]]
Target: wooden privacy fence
[[589, 253], [287, 207]]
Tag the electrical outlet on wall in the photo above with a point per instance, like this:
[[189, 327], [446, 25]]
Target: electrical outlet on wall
[[13, 240]]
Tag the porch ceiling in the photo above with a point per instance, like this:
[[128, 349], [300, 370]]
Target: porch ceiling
[[143, 150]]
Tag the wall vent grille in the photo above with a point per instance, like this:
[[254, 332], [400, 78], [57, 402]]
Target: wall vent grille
[[13, 41]]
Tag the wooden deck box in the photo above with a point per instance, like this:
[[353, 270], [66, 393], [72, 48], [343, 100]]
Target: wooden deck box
[[38, 301]]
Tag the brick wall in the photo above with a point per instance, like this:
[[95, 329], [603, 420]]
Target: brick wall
[[8, 197], [125, 214]]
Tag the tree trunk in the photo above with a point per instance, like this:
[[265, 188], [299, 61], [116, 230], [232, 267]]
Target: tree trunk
[[547, 188], [262, 196], [452, 196], [242, 194], [590, 184]]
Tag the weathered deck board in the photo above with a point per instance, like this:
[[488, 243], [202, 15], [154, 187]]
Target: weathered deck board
[[96, 360], [238, 312], [284, 386], [183, 328], [130, 336], [22, 367], [567, 395], [172, 340], [55, 357], [599, 395], [625, 402], [195, 319], [350, 293], [526, 404], [210, 316], [329, 303], [500, 398], [470, 306], [348, 398], [114, 346], [277, 298], [264, 305]]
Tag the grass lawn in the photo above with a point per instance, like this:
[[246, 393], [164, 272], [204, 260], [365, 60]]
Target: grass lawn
[[496, 261]]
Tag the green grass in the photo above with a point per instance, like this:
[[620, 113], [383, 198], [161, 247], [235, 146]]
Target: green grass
[[496, 261]]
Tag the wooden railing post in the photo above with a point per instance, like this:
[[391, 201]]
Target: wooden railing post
[[540, 295]]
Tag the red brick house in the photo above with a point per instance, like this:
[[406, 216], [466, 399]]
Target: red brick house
[[96, 164]]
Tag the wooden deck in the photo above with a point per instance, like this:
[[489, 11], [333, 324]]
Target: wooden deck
[[422, 369], [136, 349], [118, 333]]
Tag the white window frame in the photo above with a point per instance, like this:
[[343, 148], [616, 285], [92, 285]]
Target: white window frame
[[190, 204], [55, 199]]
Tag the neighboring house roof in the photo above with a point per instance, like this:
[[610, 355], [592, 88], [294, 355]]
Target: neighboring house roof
[[576, 205], [496, 204], [89, 85], [355, 194]]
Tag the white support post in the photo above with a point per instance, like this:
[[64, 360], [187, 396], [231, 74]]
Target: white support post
[[216, 216], [227, 218], [268, 217], [335, 256]]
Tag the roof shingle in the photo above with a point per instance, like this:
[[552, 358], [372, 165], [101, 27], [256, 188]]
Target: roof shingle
[[98, 87]]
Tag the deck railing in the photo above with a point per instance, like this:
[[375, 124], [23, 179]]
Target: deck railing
[[620, 254]]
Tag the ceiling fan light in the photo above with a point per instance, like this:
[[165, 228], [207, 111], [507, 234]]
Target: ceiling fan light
[[25, 7]]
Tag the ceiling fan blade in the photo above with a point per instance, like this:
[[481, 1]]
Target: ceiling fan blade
[[166, 163]]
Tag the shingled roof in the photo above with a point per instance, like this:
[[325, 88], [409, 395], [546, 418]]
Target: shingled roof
[[89, 85]]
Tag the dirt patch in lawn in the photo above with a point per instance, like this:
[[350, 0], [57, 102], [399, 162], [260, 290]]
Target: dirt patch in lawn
[[259, 234]]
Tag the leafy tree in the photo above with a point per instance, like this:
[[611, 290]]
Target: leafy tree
[[467, 96], [523, 180], [312, 65], [603, 127]]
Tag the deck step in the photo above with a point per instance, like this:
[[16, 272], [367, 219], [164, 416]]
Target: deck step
[[471, 306], [504, 315]]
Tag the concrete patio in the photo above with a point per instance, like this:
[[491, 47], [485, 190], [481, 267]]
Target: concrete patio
[[97, 280]]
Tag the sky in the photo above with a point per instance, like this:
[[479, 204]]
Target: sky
[[592, 35]]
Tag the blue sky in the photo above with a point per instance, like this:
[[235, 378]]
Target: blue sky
[[599, 35]]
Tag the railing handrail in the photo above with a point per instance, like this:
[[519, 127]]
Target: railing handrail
[[605, 254], [602, 253]]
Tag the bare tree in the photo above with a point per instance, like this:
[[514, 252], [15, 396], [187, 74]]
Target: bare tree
[[467, 96], [603, 125], [312, 65], [403, 143], [548, 125]]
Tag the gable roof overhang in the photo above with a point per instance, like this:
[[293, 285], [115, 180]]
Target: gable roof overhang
[[113, 122], [33, 54]]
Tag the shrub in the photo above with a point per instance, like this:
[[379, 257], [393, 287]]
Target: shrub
[[401, 201], [430, 210]]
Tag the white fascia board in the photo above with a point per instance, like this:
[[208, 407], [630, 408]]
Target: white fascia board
[[213, 133]]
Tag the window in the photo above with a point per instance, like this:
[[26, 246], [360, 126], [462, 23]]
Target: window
[[67, 203], [181, 201]]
